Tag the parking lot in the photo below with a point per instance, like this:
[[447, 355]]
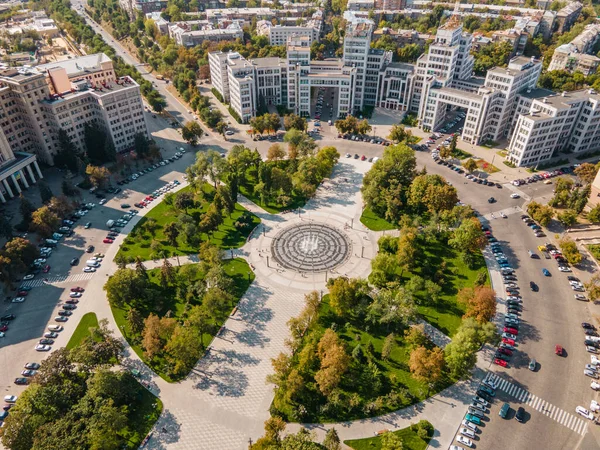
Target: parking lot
[[324, 104], [46, 291]]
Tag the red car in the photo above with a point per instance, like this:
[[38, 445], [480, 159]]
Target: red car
[[505, 351], [500, 362], [508, 341], [511, 330], [46, 269], [77, 289], [108, 241], [557, 349], [22, 293], [72, 301], [149, 198], [3, 328]]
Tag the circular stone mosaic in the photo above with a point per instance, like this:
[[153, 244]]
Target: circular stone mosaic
[[311, 247]]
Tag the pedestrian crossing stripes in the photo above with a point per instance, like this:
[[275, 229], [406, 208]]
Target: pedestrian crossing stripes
[[58, 279], [559, 415]]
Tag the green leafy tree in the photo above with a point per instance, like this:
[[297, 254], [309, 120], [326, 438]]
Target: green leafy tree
[[45, 191], [391, 441], [398, 134], [569, 249], [470, 165], [125, 286], [191, 132], [567, 218]]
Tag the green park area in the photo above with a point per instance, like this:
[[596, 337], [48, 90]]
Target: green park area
[[170, 314], [375, 223], [415, 437], [178, 224], [82, 331]]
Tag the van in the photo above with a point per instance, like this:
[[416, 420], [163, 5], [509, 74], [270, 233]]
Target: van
[[476, 412], [92, 263], [110, 223]]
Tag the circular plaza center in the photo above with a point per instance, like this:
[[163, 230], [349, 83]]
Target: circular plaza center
[[311, 247]]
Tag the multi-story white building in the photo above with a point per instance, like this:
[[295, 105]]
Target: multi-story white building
[[279, 34], [184, 34], [568, 121], [573, 56], [39, 101]]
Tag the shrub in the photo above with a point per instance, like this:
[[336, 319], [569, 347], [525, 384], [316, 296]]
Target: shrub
[[218, 95], [234, 114]]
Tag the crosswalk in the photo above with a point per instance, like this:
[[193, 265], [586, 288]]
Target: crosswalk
[[557, 414], [58, 279]]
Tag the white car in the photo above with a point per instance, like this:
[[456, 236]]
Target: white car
[[28, 277], [103, 201], [89, 269], [591, 349], [595, 386], [590, 373], [456, 447], [515, 195], [580, 297], [491, 383], [229, 132], [564, 269], [75, 294], [478, 406], [10, 398], [1, 334], [584, 412], [591, 367], [470, 425], [465, 441], [42, 348], [468, 433], [478, 399], [55, 328], [18, 300], [504, 216], [40, 261]]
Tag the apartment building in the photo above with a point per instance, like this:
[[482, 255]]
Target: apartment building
[[279, 34], [403, 37], [568, 121], [573, 56], [39, 101], [567, 16], [185, 35]]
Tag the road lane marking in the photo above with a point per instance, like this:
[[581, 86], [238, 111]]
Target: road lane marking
[[555, 413]]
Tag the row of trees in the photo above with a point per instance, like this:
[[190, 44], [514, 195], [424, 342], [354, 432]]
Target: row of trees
[[78, 400], [168, 337], [267, 123], [352, 125]]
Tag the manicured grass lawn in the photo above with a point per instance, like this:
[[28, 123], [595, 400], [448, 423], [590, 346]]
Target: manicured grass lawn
[[375, 223], [595, 251], [461, 154], [486, 166], [227, 236], [446, 314], [143, 415], [88, 321], [237, 269], [271, 205], [410, 441]]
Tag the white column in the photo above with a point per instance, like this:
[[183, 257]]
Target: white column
[[33, 180], [23, 178], [12, 177], [37, 168], [2, 197], [8, 189]]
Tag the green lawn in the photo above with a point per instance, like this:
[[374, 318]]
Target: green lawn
[[226, 237], [142, 416], [88, 321], [410, 441], [394, 373], [237, 269], [594, 249], [446, 314], [373, 222], [270, 205], [461, 154]]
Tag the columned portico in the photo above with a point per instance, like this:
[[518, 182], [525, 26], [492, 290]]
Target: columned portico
[[32, 177], [8, 189], [12, 177], [24, 178], [37, 168]]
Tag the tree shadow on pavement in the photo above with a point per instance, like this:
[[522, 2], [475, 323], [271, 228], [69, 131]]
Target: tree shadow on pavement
[[166, 431], [224, 381]]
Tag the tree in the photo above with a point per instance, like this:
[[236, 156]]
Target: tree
[[391, 441], [541, 213], [427, 365], [345, 294], [45, 191], [470, 165], [593, 287], [184, 200], [167, 274], [6, 229], [98, 175], [452, 146], [135, 320], [141, 143], [593, 214], [26, 209], [445, 152], [99, 349], [171, 232], [68, 189], [151, 336], [586, 172], [334, 362], [67, 155], [397, 133], [460, 354], [275, 153], [480, 302], [125, 286], [183, 348], [294, 122], [388, 346], [191, 132], [396, 308], [44, 221], [21, 253], [415, 336], [221, 128], [332, 440], [570, 251], [567, 218], [95, 143], [468, 237]]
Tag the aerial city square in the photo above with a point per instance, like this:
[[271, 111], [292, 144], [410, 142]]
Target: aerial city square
[[300, 224]]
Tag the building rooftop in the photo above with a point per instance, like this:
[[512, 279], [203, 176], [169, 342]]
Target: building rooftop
[[536, 93], [86, 88], [78, 66], [571, 8], [460, 93], [268, 62]]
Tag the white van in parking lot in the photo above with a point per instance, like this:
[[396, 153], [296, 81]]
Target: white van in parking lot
[[92, 263]]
